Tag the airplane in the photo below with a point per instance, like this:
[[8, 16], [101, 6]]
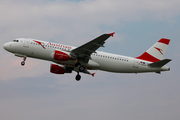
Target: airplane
[[81, 59]]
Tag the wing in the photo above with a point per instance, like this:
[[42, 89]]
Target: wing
[[87, 49]]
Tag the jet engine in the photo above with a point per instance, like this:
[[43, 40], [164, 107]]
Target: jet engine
[[60, 55], [57, 69]]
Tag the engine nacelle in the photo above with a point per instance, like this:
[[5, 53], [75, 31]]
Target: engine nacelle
[[60, 55], [57, 69]]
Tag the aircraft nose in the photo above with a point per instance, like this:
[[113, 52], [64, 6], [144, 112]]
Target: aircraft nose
[[5, 46]]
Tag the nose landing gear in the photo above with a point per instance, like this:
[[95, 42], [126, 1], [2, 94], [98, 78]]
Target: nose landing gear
[[23, 62]]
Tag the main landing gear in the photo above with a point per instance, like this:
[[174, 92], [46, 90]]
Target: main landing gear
[[78, 77], [81, 69], [23, 62]]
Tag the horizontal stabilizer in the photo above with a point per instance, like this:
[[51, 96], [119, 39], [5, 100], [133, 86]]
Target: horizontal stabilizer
[[159, 63]]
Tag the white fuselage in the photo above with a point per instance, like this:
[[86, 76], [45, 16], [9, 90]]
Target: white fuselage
[[98, 61]]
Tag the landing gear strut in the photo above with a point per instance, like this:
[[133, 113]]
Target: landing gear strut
[[23, 62], [78, 77], [77, 64]]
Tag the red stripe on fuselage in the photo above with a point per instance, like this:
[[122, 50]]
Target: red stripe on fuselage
[[40, 43], [164, 40], [146, 56]]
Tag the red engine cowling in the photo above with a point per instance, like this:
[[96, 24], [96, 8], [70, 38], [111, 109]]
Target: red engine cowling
[[62, 56], [56, 69]]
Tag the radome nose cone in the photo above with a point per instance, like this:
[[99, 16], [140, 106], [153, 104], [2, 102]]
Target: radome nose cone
[[5, 46]]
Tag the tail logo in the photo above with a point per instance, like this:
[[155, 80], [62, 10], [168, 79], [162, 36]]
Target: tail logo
[[160, 50]]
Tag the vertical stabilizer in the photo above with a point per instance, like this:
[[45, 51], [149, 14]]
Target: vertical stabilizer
[[156, 52]]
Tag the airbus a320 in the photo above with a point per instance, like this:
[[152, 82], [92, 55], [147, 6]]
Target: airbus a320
[[84, 58]]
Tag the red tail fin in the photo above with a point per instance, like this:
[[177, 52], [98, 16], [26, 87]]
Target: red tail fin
[[156, 52]]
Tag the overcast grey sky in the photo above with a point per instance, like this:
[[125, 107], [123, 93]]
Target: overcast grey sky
[[32, 92]]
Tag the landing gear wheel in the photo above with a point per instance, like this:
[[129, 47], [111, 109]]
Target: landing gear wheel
[[23, 63], [78, 77], [81, 68]]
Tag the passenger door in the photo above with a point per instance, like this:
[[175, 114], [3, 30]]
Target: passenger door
[[26, 43]]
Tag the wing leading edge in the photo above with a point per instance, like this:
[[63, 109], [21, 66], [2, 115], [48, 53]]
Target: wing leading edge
[[87, 49]]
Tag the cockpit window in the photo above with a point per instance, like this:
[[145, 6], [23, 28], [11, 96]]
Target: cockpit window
[[15, 40]]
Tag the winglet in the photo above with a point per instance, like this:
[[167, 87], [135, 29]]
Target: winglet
[[93, 74], [112, 34]]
